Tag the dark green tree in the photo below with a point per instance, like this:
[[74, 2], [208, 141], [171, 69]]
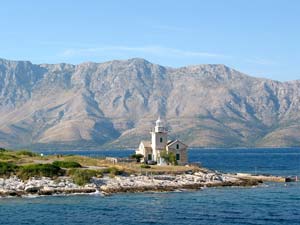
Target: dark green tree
[[169, 157], [138, 157]]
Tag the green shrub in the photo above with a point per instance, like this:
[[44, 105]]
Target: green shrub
[[27, 153], [145, 166], [169, 157], [138, 157], [39, 170], [66, 164], [113, 171], [3, 150], [82, 177], [6, 168]]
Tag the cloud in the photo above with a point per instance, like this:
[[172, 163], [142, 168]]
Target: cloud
[[153, 50]]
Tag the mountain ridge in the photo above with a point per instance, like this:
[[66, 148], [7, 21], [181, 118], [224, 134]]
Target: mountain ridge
[[114, 104]]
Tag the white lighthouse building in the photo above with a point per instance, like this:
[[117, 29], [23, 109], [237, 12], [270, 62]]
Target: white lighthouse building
[[151, 150]]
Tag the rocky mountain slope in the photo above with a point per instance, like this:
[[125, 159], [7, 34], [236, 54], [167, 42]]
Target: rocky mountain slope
[[114, 104]]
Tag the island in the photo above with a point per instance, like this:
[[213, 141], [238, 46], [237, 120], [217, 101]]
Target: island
[[25, 173]]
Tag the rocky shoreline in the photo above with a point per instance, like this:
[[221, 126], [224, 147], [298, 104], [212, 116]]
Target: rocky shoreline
[[106, 185]]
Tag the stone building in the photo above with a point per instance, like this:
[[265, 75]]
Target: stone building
[[151, 150]]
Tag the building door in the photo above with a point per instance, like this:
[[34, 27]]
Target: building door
[[149, 157]]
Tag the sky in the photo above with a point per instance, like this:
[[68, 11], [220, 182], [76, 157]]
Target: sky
[[258, 37]]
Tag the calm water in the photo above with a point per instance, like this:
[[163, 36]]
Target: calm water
[[272, 203]]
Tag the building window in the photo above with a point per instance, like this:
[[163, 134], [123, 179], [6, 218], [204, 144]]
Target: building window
[[161, 139], [177, 156], [149, 157], [177, 146]]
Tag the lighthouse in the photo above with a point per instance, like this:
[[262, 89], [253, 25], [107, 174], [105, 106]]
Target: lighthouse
[[159, 138], [151, 150]]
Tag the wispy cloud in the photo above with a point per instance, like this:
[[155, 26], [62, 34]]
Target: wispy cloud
[[153, 50]]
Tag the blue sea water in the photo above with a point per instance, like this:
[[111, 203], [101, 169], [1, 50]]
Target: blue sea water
[[271, 203]]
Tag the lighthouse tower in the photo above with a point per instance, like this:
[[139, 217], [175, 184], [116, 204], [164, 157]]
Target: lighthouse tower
[[159, 139]]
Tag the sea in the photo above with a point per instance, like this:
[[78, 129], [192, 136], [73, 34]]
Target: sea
[[269, 203]]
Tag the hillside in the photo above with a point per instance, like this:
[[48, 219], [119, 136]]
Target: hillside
[[114, 104]]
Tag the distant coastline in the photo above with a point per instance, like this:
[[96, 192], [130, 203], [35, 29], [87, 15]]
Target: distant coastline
[[101, 148]]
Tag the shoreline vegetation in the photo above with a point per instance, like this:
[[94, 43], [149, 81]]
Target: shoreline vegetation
[[25, 173]]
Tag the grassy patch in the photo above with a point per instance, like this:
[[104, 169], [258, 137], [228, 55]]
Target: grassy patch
[[67, 164], [7, 156], [82, 160], [26, 153], [82, 177], [145, 166], [39, 170]]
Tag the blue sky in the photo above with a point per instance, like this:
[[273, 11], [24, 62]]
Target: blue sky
[[258, 37]]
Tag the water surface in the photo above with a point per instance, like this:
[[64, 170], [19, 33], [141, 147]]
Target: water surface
[[271, 203]]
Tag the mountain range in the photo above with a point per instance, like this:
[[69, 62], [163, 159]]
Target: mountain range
[[115, 104]]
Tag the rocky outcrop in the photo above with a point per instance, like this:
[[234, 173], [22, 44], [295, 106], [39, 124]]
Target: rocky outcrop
[[114, 104], [135, 183], [170, 182], [13, 186]]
